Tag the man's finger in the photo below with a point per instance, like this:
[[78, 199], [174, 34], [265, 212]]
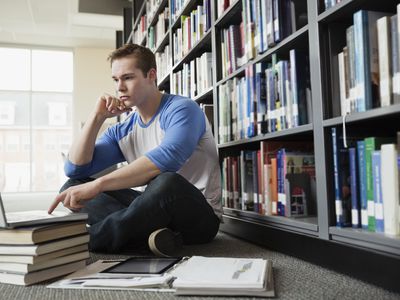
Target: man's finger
[[55, 203]]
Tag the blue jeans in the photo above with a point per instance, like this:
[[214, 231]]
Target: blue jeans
[[125, 218]]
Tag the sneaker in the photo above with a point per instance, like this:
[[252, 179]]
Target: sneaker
[[165, 242]]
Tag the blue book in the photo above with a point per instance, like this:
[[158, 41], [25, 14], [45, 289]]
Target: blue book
[[355, 200], [341, 181], [362, 173], [366, 59], [376, 174]]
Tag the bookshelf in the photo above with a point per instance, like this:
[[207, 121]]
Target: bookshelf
[[321, 35]]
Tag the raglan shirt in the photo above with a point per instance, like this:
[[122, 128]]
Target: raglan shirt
[[177, 139]]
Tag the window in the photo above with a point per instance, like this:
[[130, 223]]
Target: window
[[36, 88]]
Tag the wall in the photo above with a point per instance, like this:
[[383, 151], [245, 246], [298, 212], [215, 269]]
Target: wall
[[92, 77]]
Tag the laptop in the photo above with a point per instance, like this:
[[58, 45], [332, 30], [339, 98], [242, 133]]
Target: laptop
[[35, 217]]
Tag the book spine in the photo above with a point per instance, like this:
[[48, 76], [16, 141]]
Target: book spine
[[338, 200], [395, 59], [390, 189], [362, 183], [376, 173], [355, 205], [369, 148], [384, 46]]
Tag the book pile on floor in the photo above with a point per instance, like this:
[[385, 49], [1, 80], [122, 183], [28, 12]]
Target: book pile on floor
[[30, 255]]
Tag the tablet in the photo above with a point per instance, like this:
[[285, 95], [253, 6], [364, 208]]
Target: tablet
[[143, 265]]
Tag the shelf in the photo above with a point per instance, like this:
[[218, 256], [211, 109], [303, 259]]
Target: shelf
[[376, 113], [204, 43], [231, 11], [204, 95], [159, 9], [184, 12], [303, 129], [164, 80], [363, 238], [283, 45], [346, 8], [140, 14], [305, 225], [164, 41]]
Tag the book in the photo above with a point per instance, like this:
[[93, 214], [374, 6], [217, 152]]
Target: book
[[40, 234], [231, 276], [35, 259], [43, 275], [39, 249], [390, 188], [23, 268]]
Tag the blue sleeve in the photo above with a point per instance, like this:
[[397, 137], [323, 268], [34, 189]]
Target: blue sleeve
[[184, 124], [106, 153]]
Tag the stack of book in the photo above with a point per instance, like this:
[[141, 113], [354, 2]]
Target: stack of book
[[30, 255]]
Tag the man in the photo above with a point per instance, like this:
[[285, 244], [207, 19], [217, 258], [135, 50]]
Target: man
[[172, 164]]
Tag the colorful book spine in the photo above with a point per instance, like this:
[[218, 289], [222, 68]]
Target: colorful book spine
[[376, 174], [355, 201], [362, 184]]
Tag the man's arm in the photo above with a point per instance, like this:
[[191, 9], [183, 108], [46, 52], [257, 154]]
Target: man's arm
[[81, 151], [137, 173]]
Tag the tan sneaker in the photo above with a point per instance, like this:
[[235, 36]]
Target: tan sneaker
[[165, 242]]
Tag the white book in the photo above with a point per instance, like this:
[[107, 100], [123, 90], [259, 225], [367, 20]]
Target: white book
[[43, 248], [342, 85], [384, 45], [39, 276], [24, 268], [390, 188], [35, 259], [231, 276]]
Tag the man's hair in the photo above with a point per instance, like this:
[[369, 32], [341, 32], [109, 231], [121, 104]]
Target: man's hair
[[145, 58]]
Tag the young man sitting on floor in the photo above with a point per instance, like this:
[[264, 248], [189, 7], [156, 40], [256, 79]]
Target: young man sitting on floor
[[172, 167]]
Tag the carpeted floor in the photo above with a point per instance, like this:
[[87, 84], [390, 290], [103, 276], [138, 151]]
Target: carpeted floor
[[294, 279]]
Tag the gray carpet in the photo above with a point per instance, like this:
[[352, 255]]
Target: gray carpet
[[294, 279]]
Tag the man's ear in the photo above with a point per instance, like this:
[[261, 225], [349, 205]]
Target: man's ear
[[152, 74]]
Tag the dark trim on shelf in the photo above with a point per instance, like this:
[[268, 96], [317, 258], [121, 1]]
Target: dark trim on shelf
[[228, 13], [158, 10], [379, 269], [375, 113], [143, 42], [307, 225], [164, 80], [286, 42], [163, 43], [348, 7], [205, 40], [286, 132], [366, 239], [140, 14], [207, 93]]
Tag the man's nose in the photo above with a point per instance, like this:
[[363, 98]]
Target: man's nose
[[121, 85]]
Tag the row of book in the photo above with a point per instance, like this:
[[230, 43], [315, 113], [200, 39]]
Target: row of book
[[369, 65], [195, 78], [366, 178], [331, 3], [278, 179], [140, 32], [156, 33], [29, 255], [151, 8], [271, 97], [264, 24], [163, 61], [193, 28], [177, 7]]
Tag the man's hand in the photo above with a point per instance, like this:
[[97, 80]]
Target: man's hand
[[109, 106], [75, 196]]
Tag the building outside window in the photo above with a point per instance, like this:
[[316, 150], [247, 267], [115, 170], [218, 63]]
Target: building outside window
[[36, 91]]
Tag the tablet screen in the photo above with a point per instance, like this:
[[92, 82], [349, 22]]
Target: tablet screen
[[143, 265]]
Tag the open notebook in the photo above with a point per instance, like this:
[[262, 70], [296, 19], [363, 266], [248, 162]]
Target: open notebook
[[35, 217]]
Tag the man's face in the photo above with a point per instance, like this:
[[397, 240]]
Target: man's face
[[132, 86]]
